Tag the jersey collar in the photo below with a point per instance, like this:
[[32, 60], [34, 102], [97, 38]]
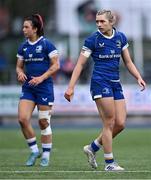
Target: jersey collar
[[32, 43], [108, 37]]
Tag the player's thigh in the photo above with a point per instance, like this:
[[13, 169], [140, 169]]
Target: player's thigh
[[120, 111], [44, 97], [106, 108], [44, 107], [25, 109]]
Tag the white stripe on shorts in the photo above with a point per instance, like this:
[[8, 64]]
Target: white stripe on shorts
[[97, 96]]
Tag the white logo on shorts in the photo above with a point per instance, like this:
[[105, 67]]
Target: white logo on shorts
[[106, 91], [121, 92], [44, 99]]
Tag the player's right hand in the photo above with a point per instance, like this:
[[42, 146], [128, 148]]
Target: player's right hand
[[21, 77], [69, 94], [142, 84]]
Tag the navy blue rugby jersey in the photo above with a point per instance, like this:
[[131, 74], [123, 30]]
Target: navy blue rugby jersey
[[106, 53], [36, 56]]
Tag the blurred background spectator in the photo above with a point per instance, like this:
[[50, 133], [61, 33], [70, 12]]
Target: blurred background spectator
[[67, 67], [86, 14], [3, 67], [4, 22]]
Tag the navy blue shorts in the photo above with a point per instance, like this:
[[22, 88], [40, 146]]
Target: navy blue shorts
[[39, 95], [106, 88]]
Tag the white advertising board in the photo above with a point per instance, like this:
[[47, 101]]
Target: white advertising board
[[137, 102]]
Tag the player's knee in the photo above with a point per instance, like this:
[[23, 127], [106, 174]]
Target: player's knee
[[120, 126], [110, 118], [23, 121], [111, 125], [44, 122], [45, 127], [109, 122]]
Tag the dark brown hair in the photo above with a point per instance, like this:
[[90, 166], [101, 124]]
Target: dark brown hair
[[37, 22]]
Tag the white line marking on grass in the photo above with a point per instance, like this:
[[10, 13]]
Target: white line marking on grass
[[40, 171]]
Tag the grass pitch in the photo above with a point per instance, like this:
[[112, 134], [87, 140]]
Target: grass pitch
[[132, 150]]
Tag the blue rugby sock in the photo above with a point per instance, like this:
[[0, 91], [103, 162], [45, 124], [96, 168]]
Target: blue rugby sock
[[95, 146]]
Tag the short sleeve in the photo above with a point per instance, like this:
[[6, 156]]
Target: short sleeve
[[51, 49], [124, 41], [20, 53], [88, 47]]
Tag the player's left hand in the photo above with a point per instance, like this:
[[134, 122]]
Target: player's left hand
[[35, 81], [142, 84], [69, 94]]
